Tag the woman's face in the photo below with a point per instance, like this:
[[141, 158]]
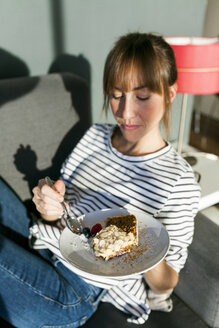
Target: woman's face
[[137, 112]]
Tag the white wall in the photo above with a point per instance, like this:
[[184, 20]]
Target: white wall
[[25, 31], [38, 31]]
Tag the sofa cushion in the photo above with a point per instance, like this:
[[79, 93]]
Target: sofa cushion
[[199, 280], [41, 118], [182, 316]]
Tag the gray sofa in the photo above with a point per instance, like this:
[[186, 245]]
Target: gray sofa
[[41, 119]]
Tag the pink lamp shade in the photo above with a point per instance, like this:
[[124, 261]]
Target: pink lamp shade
[[197, 60]]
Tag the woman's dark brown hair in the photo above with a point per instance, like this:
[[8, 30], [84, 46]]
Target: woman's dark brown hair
[[148, 58]]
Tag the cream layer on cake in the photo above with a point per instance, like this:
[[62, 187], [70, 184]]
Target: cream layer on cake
[[117, 238]]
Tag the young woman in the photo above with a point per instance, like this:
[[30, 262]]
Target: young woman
[[128, 165]]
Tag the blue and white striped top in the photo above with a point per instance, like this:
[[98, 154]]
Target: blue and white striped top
[[161, 184]]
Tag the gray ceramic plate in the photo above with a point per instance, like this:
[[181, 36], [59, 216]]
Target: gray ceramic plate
[[152, 248]]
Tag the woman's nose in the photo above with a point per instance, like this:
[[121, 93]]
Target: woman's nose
[[127, 108]]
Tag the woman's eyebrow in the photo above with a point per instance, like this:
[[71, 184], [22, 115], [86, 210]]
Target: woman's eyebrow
[[140, 87], [137, 88]]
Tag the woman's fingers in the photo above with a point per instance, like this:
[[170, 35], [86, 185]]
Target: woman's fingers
[[49, 192], [43, 191], [60, 187], [48, 209], [47, 199]]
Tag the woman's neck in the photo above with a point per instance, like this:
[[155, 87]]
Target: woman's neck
[[150, 143]]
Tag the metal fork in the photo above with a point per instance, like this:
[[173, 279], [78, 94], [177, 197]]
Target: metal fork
[[72, 223]]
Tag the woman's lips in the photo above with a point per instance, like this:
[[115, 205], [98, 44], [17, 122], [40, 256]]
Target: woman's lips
[[129, 127]]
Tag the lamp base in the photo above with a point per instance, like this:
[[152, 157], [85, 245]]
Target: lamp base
[[206, 168], [199, 154], [192, 160]]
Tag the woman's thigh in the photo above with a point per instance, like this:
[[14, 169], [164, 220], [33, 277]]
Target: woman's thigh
[[14, 219], [34, 293]]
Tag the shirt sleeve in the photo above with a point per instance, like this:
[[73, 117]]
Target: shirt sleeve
[[178, 215]]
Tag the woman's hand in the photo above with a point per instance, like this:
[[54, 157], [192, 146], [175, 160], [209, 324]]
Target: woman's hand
[[47, 199]]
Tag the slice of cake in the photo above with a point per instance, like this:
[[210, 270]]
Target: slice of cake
[[117, 238], [127, 223]]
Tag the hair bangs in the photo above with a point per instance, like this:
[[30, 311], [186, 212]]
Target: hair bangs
[[134, 69]]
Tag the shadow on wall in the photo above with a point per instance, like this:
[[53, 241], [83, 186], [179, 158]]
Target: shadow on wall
[[57, 19], [79, 66], [12, 66], [63, 62]]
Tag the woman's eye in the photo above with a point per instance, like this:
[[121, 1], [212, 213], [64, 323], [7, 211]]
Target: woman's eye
[[117, 96], [143, 98]]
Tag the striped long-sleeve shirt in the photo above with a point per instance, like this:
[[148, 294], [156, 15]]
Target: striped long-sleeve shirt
[[161, 184]]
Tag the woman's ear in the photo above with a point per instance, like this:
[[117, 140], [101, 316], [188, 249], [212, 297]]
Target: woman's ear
[[173, 91]]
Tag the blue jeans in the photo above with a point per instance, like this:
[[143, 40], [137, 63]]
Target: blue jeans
[[35, 289]]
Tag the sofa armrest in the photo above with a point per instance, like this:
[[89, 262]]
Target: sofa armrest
[[199, 280]]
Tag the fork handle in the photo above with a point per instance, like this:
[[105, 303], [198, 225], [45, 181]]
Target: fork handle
[[49, 181]]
